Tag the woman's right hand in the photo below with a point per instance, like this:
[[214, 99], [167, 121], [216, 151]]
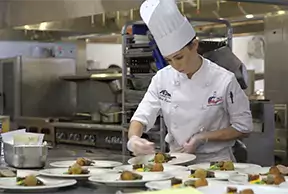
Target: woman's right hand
[[140, 146]]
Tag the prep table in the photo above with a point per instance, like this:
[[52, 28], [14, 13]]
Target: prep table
[[68, 152]]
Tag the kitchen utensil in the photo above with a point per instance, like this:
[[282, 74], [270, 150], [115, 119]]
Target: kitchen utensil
[[134, 96], [96, 164], [115, 117], [11, 184], [27, 156], [181, 158], [113, 179], [140, 83], [115, 86]]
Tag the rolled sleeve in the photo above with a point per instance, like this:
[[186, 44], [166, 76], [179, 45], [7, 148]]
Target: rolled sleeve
[[238, 107], [149, 107]]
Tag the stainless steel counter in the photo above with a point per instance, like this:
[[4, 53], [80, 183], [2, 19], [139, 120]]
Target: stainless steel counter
[[67, 152]]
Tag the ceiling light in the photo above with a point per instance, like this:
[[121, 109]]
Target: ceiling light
[[249, 16], [26, 27], [281, 12], [43, 26]]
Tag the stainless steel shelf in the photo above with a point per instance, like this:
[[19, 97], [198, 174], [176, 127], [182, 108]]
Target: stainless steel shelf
[[135, 55], [88, 126]]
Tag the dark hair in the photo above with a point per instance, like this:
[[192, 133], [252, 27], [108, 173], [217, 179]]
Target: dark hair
[[190, 42]]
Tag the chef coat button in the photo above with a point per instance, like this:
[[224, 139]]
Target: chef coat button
[[176, 106], [203, 106], [177, 83], [207, 84]]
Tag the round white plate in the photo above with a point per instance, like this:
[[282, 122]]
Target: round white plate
[[181, 158], [255, 170], [237, 166], [221, 189], [60, 172], [97, 164], [112, 179], [166, 184], [10, 184], [167, 168], [218, 175]]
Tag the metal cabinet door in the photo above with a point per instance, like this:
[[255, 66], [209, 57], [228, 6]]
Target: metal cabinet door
[[10, 86]]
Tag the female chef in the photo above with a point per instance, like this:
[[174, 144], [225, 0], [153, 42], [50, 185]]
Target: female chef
[[203, 106]]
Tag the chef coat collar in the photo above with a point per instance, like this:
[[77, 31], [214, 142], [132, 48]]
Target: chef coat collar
[[197, 74]]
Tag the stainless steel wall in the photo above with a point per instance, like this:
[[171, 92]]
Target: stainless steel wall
[[89, 93], [276, 59]]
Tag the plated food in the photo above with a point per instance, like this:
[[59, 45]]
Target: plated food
[[227, 166], [273, 177], [156, 167], [77, 169], [152, 168], [223, 165], [85, 162], [128, 178], [76, 173], [32, 183], [201, 173], [29, 181], [235, 190], [240, 189], [171, 158], [162, 157], [176, 183]]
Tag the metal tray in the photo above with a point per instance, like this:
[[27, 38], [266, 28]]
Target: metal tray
[[25, 156]]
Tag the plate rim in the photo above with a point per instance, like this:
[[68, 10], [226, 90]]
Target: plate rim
[[70, 182], [184, 168], [54, 164], [45, 173], [92, 179], [249, 186], [250, 165]]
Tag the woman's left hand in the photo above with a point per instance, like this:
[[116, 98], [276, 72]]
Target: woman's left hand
[[191, 146]]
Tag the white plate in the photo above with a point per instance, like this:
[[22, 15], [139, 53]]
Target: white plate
[[181, 158], [10, 184], [255, 170], [237, 166], [221, 189], [112, 179], [60, 172], [284, 185], [218, 175], [166, 184], [97, 164], [167, 168]]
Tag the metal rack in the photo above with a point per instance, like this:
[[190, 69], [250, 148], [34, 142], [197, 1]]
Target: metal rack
[[137, 65]]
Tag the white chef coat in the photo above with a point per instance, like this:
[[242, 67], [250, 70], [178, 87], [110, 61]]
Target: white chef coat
[[189, 105]]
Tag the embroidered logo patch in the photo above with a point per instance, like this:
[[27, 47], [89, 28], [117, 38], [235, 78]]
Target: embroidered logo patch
[[214, 99], [165, 96]]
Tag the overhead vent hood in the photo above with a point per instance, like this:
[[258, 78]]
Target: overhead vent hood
[[273, 2]]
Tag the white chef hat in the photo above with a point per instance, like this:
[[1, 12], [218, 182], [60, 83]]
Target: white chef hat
[[170, 29]]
